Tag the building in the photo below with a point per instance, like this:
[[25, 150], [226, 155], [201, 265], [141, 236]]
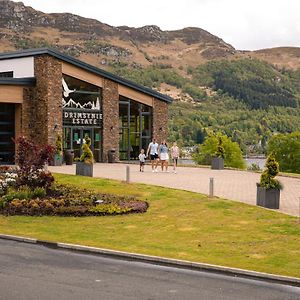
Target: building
[[44, 93]]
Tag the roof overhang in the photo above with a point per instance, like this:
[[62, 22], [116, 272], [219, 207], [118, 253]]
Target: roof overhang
[[28, 81], [88, 67]]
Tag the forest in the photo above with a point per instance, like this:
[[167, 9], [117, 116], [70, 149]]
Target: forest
[[246, 99]]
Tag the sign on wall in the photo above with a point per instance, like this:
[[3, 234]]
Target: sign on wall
[[80, 108]]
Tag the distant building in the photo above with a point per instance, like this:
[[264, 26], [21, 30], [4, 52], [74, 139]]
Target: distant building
[[44, 93]]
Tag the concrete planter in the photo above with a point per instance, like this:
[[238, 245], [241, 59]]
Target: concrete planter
[[268, 198], [217, 163], [84, 169], [57, 160]]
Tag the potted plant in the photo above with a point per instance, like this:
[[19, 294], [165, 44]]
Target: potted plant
[[268, 189], [84, 166], [217, 162], [58, 154]]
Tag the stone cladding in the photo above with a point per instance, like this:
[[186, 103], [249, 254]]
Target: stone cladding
[[110, 109], [160, 120], [42, 105]]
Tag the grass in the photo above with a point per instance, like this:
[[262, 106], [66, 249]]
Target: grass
[[178, 224]]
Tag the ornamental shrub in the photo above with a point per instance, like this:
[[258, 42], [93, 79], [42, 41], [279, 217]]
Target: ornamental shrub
[[220, 149], [87, 155], [58, 145], [267, 178], [31, 159]]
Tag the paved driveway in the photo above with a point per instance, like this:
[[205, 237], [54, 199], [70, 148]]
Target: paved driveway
[[228, 184]]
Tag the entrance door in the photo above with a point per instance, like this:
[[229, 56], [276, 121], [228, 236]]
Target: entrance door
[[7, 133], [74, 137], [78, 135]]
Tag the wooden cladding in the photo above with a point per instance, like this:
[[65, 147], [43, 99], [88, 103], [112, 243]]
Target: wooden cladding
[[11, 94], [81, 74], [135, 95]]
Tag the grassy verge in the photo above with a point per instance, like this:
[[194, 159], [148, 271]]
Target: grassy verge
[[178, 224]]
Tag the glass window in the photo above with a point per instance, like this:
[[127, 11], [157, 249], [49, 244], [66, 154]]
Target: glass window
[[135, 122]]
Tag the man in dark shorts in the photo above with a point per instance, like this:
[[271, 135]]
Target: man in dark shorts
[[153, 151]]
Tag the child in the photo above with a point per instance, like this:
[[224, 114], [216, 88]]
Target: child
[[142, 157]]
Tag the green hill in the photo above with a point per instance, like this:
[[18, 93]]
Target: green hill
[[249, 100]]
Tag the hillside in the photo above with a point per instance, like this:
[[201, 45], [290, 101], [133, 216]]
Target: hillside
[[101, 44], [249, 95]]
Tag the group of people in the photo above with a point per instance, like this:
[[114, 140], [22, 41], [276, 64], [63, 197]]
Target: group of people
[[159, 154]]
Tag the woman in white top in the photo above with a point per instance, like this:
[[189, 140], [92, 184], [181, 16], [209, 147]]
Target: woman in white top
[[174, 155], [163, 155]]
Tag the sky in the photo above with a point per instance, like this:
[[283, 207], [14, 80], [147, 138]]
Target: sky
[[245, 24]]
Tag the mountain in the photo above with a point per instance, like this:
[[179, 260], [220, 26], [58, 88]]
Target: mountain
[[101, 44], [249, 95]]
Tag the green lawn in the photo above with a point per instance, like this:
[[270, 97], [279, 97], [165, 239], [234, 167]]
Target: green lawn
[[178, 224]]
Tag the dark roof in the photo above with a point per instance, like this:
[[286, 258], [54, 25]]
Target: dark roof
[[88, 67], [17, 81]]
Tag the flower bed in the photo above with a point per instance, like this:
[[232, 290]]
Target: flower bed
[[62, 200], [29, 189]]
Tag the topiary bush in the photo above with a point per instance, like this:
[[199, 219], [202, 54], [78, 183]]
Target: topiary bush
[[220, 149], [58, 145], [267, 178], [87, 155]]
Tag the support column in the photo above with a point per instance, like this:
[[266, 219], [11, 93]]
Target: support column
[[110, 109], [42, 106], [160, 120]]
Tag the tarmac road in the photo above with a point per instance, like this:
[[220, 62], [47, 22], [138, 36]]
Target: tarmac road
[[36, 272]]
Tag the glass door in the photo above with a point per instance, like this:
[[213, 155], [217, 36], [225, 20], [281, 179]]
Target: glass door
[[76, 141], [145, 129], [124, 127], [97, 145]]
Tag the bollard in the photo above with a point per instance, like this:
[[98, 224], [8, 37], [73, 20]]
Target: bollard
[[299, 211], [211, 187], [127, 174]]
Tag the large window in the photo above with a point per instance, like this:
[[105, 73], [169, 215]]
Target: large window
[[82, 116], [7, 133], [135, 128]]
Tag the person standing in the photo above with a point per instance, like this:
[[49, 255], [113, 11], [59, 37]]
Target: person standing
[[153, 151], [164, 155], [142, 157], [174, 156]]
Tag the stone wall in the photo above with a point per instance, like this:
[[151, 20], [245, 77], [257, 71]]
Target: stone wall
[[42, 106], [110, 109], [160, 120]]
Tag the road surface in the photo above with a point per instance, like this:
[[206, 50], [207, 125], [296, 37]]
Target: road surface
[[36, 272]]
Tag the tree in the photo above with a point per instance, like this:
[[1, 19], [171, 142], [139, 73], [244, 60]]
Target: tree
[[232, 152], [286, 148]]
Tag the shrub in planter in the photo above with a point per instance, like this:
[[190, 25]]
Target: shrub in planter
[[217, 162], [58, 155], [84, 166], [268, 189]]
